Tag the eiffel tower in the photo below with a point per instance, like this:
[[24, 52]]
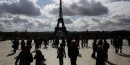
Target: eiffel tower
[[60, 31]]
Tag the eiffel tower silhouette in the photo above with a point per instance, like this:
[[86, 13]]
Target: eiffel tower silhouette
[[60, 31]]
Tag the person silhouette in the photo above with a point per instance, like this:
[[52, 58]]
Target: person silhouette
[[120, 43], [82, 41], [94, 48], [73, 53], [24, 57], [40, 42], [29, 43], [22, 44], [40, 59], [105, 48], [86, 42], [56, 43], [100, 53], [15, 45], [61, 54], [45, 43], [63, 42], [69, 42], [115, 44], [128, 39], [36, 43]]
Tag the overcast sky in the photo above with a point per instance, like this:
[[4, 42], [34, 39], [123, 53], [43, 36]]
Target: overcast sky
[[79, 15]]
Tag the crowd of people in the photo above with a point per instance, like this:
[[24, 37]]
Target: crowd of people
[[99, 47]]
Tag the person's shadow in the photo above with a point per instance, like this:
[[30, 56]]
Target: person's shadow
[[125, 55], [110, 63], [10, 54]]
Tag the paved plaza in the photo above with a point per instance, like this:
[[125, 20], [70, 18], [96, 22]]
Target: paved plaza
[[6, 58]]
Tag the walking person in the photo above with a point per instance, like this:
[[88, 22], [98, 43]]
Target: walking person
[[120, 44], [15, 45], [115, 44], [105, 48], [24, 57], [73, 53], [100, 53], [94, 49], [40, 59], [61, 54], [69, 42]]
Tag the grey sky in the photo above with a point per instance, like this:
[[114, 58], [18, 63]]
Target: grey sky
[[79, 15]]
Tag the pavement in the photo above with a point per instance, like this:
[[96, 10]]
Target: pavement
[[8, 58]]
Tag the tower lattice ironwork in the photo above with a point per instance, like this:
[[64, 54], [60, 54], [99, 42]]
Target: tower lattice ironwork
[[60, 31]]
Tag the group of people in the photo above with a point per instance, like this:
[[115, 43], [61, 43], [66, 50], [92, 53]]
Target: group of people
[[16, 44], [38, 42], [56, 43], [25, 57], [117, 43], [100, 51], [73, 51]]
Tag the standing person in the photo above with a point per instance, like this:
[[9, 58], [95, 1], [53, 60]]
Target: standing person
[[36, 43], [86, 42], [105, 48], [17, 41], [57, 43], [40, 42], [63, 42], [128, 39], [100, 53], [61, 54], [69, 41], [15, 45], [22, 44], [45, 43], [77, 42], [94, 49], [82, 42], [73, 53], [24, 57], [29, 43], [120, 44], [40, 59], [111, 41], [115, 44]]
